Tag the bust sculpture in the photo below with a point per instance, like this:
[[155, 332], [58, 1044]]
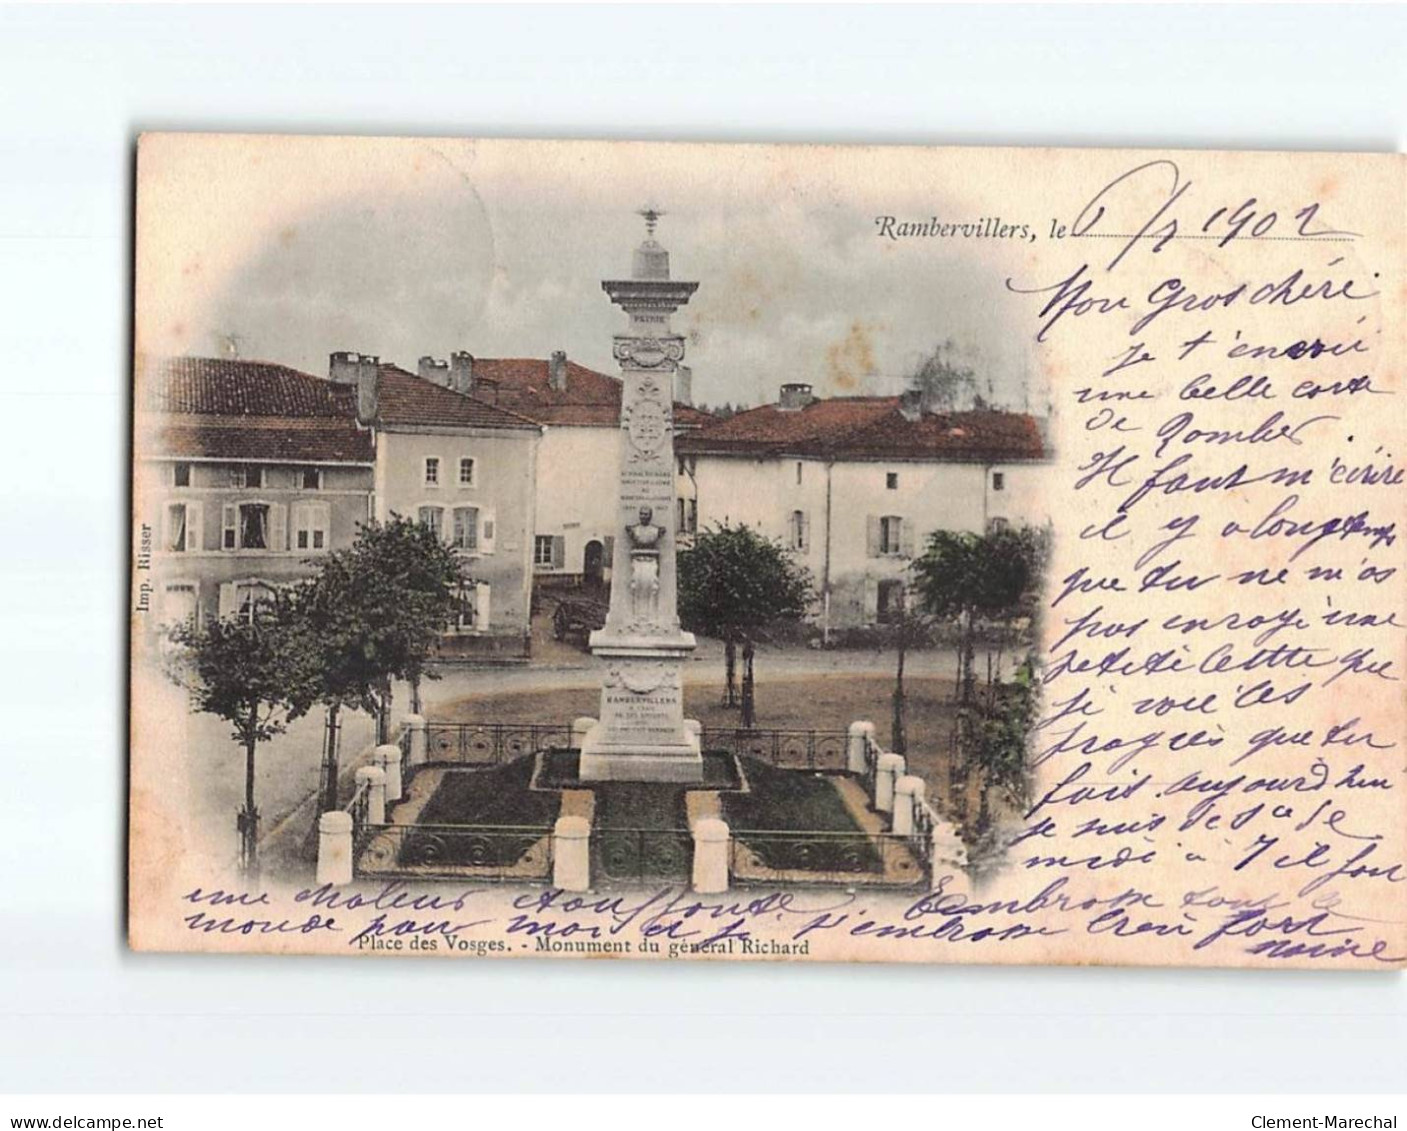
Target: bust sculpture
[[645, 538]]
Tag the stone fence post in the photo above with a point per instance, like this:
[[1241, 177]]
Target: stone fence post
[[861, 735], [889, 770], [949, 851], [571, 854], [335, 847], [419, 752], [908, 796], [711, 841], [387, 759], [374, 778], [580, 727]]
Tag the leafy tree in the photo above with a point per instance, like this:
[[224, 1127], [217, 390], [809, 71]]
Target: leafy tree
[[737, 585], [995, 576], [243, 669], [374, 612], [946, 379]]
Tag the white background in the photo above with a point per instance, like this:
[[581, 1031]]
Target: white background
[[80, 1012]]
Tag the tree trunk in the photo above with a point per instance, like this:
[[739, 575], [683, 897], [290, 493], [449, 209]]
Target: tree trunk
[[966, 660], [383, 715], [749, 700], [248, 822], [730, 673], [327, 789], [898, 737]]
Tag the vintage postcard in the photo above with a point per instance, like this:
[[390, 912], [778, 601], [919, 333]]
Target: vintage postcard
[[586, 549]]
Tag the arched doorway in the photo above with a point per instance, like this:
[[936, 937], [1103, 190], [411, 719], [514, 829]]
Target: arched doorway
[[593, 565]]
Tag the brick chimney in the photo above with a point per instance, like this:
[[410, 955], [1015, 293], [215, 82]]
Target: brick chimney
[[461, 372], [795, 396], [684, 385], [557, 371], [361, 371], [432, 369]]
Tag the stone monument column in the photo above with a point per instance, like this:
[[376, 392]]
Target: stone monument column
[[641, 734]]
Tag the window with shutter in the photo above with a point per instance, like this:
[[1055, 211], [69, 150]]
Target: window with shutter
[[891, 535], [872, 536], [229, 538], [254, 529], [195, 526], [542, 550], [180, 603], [310, 526], [432, 518], [559, 551], [173, 535], [906, 538], [486, 530], [466, 528], [278, 526]]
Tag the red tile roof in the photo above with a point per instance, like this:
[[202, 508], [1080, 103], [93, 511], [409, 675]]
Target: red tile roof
[[590, 398], [406, 398], [212, 386], [222, 408], [263, 438], [871, 428]]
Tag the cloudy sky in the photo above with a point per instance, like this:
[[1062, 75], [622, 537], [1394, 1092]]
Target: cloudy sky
[[295, 247]]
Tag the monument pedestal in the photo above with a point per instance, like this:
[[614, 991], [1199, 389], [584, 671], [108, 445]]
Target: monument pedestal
[[641, 734]]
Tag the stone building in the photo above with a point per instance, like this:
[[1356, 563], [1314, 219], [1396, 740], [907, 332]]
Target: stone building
[[247, 471], [854, 485], [467, 469]]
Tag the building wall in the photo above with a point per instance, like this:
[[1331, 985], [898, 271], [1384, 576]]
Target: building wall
[[927, 496], [577, 483], [502, 491], [204, 564]]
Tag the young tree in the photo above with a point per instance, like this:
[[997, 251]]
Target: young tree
[[244, 669], [374, 613], [993, 576], [736, 585], [908, 629]]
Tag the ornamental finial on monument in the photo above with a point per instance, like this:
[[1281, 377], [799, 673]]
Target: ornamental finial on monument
[[651, 261]]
